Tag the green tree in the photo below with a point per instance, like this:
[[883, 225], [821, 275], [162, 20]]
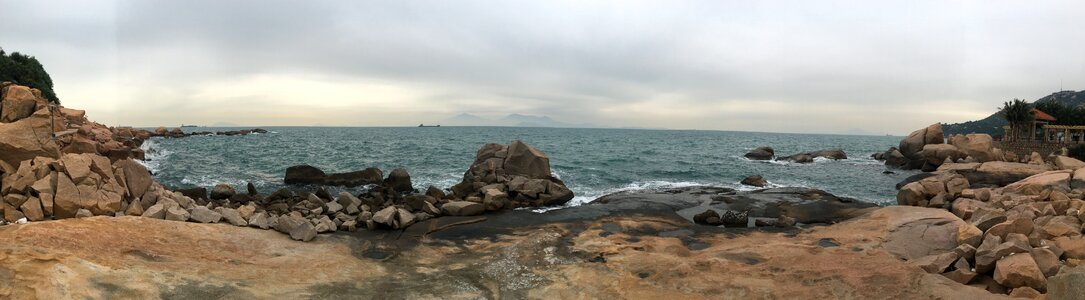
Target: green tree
[[26, 70], [1017, 114]]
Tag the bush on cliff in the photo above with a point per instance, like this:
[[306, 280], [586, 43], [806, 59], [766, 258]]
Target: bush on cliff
[[26, 70]]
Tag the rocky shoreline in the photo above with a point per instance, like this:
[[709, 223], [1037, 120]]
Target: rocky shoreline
[[981, 224]]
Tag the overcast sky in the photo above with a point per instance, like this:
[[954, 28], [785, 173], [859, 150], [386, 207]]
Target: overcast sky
[[782, 66]]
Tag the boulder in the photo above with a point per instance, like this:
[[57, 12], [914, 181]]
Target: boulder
[[196, 193], [222, 191], [304, 174], [1019, 271], [136, 177], [259, 220], [761, 153], [916, 232], [993, 248], [177, 213], [201, 214], [1046, 260], [808, 157], [1002, 173], [28, 138], [1068, 163], [522, 159], [31, 209], [304, 232], [936, 154], [399, 180], [984, 218], [1033, 185], [978, 146], [462, 208], [1066, 286], [387, 216], [1072, 247], [755, 180], [18, 103], [708, 217], [937, 263]]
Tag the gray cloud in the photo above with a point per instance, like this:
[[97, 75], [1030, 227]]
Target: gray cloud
[[778, 66]]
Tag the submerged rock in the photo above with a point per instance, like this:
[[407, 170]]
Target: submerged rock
[[761, 153]]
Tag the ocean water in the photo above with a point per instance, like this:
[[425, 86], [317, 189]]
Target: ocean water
[[592, 162]]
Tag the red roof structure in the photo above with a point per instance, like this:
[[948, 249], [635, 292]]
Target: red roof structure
[[1041, 116]]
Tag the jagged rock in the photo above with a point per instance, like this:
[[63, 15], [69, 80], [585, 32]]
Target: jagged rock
[[937, 263], [993, 248], [1022, 226], [177, 213], [324, 225], [1018, 271], [333, 207], [761, 153], [304, 232], [136, 177], [962, 272], [1072, 247], [134, 209], [246, 211], [462, 208], [18, 103], [201, 214], [1046, 260], [231, 216], [28, 138], [259, 220], [349, 225], [387, 216], [807, 157], [984, 218], [755, 180], [964, 207]]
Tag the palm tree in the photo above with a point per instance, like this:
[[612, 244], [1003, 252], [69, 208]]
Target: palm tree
[[1017, 113]]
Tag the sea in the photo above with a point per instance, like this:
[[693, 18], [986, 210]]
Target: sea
[[592, 162]]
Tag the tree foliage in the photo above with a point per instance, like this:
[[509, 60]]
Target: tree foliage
[[26, 70]]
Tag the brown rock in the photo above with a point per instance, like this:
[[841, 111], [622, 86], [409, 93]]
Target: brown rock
[[1051, 180], [1072, 247], [28, 138], [964, 207], [1066, 286], [136, 177], [18, 103], [461, 208], [936, 264], [526, 160], [399, 180], [1046, 260], [755, 180], [983, 218], [1022, 226], [1019, 270], [31, 208]]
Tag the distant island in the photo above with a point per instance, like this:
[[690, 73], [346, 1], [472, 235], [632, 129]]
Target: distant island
[[511, 120]]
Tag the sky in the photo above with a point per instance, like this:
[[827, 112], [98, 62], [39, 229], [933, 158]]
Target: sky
[[873, 67]]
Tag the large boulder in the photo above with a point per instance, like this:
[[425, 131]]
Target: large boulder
[[399, 180], [222, 191], [1035, 184], [19, 102], [1019, 270], [761, 153], [936, 154], [304, 174], [911, 147], [462, 208], [136, 177], [978, 146], [28, 138], [1068, 163], [915, 232], [522, 171], [88, 182], [999, 173]]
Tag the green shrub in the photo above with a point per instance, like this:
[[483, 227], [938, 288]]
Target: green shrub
[[26, 70]]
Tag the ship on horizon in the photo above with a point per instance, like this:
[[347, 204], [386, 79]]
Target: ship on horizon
[[424, 125]]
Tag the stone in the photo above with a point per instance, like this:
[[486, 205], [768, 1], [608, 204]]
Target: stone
[[1033, 185], [28, 138], [68, 199], [993, 249], [31, 209], [919, 231], [303, 232], [1003, 173], [222, 191], [304, 174], [435, 192], [1035, 159], [1019, 270], [177, 213], [1025, 292], [964, 207], [1066, 286], [1072, 247], [231, 216], [1046, 260], [732, 218], [761, 153], [349, 225], [83, 213], [287, 223], [708, 217], [936, 154], [18, 103], [462, 208], [246, 211], [134, 209], [136, 177], [935, 264], [525, 160], [333, 207], [156, 211], [755, 180], [259, 220], [201, 214], [1068, 163], [196, 193], [962, 273], [429, 208], [969, 235], [387, 216], [399, 180], [1022, 226], [325, 225], [983, 218], [978, 146]]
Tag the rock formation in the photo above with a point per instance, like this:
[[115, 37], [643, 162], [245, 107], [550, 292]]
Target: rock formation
[[927, 149], [511, 176]]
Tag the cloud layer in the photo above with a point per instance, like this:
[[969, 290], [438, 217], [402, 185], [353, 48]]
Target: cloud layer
[[884, 67]]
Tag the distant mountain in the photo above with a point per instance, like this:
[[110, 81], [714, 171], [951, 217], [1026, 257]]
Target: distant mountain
[[513, 120], [993, 124]]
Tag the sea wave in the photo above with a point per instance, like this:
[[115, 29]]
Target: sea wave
[[592, 194], [154, 155]]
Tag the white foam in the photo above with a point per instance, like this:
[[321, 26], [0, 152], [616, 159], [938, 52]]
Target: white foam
[[154, 153], [590, 195]]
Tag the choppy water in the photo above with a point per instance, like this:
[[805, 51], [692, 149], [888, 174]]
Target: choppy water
[[593, 162]]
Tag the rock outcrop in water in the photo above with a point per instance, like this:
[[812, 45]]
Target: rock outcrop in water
[[808, 157], [512, 176], [927, 149]]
